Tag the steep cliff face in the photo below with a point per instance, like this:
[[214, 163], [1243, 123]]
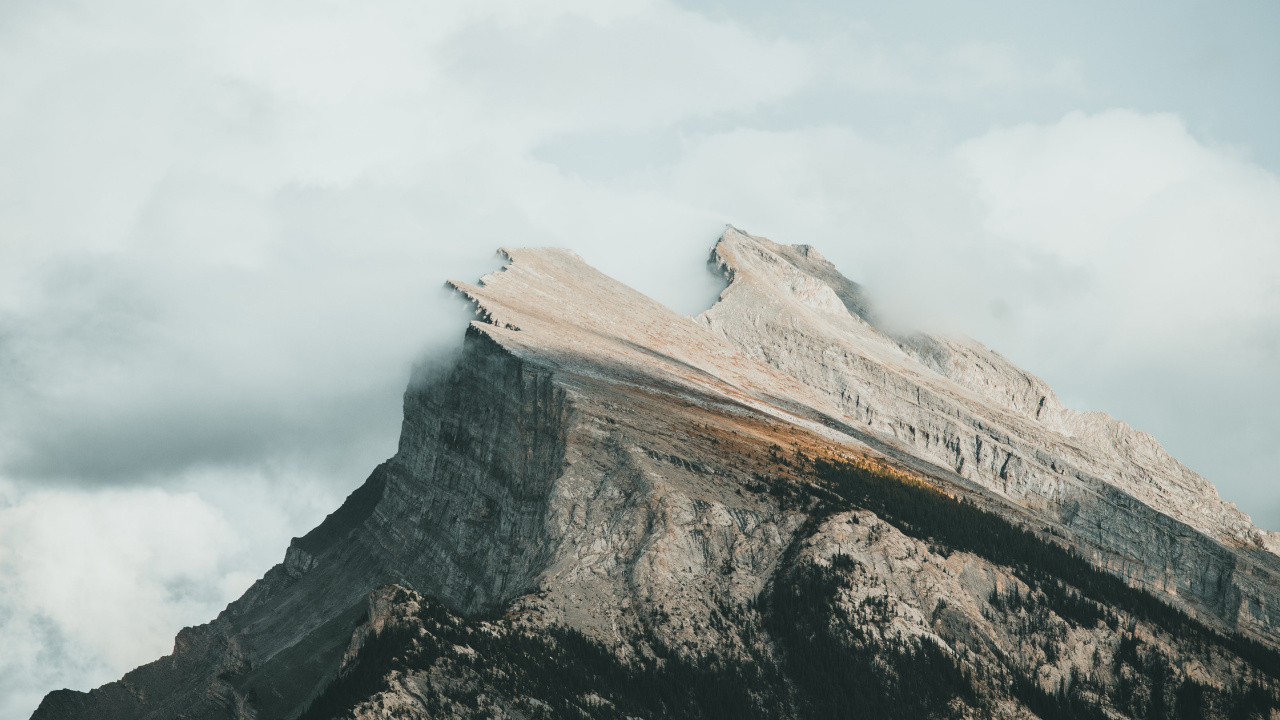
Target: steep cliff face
[[457, 513], [691, 504]]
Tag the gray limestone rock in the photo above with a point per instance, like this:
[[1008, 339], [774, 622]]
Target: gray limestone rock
[[596, 462]]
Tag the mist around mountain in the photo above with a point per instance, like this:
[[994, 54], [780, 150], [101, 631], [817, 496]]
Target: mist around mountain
[[776, 509]]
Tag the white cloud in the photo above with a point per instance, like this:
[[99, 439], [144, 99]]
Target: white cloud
[[632, 71], [96, 582], [868, 62], [1181, 240], [92, 583]]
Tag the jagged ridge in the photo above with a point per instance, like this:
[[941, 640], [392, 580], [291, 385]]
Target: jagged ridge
[[596, 462]]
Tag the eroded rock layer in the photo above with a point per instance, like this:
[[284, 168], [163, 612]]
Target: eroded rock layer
[[775, 509]]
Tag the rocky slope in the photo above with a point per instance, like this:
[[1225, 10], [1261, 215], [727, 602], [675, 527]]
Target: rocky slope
[[775, 509]]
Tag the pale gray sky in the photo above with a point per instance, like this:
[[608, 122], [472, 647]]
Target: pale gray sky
[[224, 229]]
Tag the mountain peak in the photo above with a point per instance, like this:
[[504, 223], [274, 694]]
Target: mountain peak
[[602, 485]]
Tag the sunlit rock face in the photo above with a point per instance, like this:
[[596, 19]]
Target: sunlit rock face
[[955, 403], [656, 501]]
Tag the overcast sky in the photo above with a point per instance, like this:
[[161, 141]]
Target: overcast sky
[[224, 228]]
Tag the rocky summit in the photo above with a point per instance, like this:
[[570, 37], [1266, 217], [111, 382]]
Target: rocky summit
[[601, 508]]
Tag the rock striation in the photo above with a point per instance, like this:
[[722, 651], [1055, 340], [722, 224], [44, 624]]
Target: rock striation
[[603, 507], [955, 403]]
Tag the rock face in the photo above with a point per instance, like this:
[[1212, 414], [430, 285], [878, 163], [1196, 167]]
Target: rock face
[[955, 403], [774, 509]]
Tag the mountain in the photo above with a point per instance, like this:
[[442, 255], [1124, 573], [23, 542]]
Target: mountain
[[602, 508]]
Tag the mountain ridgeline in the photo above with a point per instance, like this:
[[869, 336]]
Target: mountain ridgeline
[[776, 509]]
